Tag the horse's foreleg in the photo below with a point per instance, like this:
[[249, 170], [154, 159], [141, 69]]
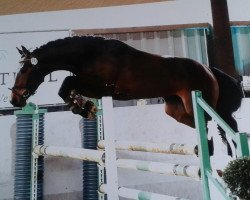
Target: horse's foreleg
[[70, 92], [69, 84], [89, 110]]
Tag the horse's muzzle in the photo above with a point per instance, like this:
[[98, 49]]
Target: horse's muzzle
[[17, 102]]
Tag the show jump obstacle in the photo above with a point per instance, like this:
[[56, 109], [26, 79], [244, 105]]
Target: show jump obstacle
[[98, 152], [241, 139]]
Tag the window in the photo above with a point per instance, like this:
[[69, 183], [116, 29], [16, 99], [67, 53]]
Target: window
[[241, 45]]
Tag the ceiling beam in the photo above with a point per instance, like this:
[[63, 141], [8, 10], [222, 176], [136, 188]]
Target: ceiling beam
[[10, 7]]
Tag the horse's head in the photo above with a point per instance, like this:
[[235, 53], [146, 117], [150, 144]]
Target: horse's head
[[27, 79]]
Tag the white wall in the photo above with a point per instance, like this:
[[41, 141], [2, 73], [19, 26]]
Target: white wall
[[239, 10], [162, 13]]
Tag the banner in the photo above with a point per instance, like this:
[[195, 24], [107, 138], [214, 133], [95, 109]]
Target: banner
[[9, 66]]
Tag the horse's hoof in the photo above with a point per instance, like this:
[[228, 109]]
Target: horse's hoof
[[88, 115], [83, 113], [90, 107], [76, 110]]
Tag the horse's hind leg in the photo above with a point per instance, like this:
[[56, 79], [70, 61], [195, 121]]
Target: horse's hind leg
[[175, 108], [211, 97]]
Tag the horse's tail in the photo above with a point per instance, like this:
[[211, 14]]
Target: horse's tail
[[230, 96], [230, 92]]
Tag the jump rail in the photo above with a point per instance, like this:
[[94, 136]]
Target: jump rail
[[32, 118], [161, 168], [76, 153], [200, 107], [171, 148], [138, 194], [59, 107]]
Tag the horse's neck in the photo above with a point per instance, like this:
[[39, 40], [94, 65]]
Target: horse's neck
[[65, 57], [57, 63]]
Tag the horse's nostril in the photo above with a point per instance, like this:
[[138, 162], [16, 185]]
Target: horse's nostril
[[14, 102]]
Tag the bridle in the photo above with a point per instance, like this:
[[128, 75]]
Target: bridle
[[27, 92], [24, 96]]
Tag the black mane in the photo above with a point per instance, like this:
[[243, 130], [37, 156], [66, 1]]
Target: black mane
[[72, 41]]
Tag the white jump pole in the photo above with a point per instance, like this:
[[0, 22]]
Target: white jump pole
[[171, 148], [140, 195], [159, 167], [110, 152], [76, 153]]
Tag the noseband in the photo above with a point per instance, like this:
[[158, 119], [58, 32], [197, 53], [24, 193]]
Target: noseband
[[25, 96]]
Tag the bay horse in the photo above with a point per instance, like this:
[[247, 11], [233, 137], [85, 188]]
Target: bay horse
[[108, 67]]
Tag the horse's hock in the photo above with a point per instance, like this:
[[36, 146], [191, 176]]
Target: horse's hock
[[134, 160]]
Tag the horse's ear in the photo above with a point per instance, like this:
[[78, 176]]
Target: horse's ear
[[21, 52], [26, 51]]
